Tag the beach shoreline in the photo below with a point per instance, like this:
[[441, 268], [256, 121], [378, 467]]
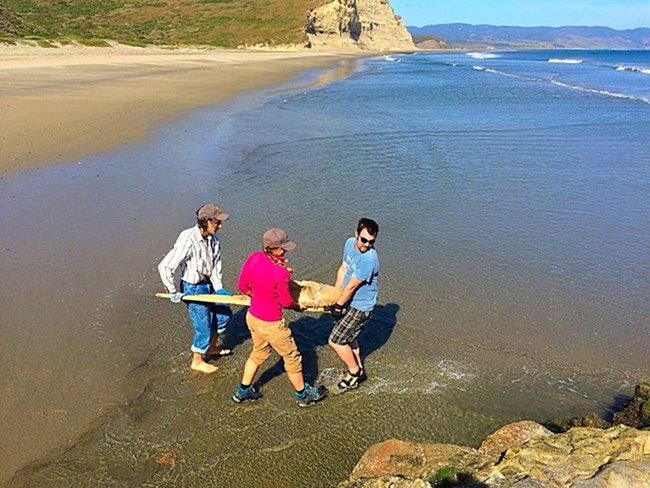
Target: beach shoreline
[[62, 104]]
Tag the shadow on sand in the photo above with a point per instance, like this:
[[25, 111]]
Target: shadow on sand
[[312, 332]]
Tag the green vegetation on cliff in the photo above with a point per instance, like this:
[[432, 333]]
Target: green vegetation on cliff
[[226, 23]]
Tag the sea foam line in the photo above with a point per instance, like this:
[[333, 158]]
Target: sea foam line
[[566, 85], [503, 73], [565, 60], [634, 69], [601, 92]]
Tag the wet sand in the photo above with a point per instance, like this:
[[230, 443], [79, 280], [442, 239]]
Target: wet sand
[[95, 371], [67, 355]]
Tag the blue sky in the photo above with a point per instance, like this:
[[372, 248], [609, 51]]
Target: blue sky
[[622, 14]]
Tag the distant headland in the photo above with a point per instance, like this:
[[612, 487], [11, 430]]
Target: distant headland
[[461, 36]]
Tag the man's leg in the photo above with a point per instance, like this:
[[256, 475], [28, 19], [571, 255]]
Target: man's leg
[[200, 317], [348, 356], [221, 315], [343, 340], [354, 345]]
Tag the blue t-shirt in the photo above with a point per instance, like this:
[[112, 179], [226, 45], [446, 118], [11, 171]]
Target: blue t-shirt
[[365, 267]]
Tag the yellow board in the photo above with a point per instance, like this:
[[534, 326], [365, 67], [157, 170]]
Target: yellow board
[[243, 300]]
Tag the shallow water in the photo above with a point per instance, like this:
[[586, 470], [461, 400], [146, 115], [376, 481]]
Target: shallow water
[[514, 226]]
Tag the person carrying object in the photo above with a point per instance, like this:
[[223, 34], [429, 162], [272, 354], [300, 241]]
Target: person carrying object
[[197, 255], [358, 278], [265, 278]]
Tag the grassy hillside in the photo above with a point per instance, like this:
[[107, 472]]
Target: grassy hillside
[[227, 23]]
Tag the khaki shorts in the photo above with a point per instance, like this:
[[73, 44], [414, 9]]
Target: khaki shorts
[[276, 335]]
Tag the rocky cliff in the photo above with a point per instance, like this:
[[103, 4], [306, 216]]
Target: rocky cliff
[[363, 24]]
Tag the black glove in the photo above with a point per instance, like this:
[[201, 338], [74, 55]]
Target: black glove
[[337, 310]]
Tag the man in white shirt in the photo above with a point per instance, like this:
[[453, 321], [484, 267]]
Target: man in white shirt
[[198, 255]]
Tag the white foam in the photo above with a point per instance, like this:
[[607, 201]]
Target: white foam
[[565, 60], [392, 58], [503, 73], [601, 92], [634, 69], [480, 55]]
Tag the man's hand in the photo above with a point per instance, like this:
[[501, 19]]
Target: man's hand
[[176, 297], [223, 291], [337, 310]]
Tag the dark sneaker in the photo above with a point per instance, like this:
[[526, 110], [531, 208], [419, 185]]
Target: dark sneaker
[[243, 394], [310, 395]]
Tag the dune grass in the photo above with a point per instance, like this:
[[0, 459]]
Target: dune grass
[[226, 23]]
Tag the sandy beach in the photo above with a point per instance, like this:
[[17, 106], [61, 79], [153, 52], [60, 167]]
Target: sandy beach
[[60, 104]]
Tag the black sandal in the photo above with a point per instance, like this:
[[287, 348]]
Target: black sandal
[[350, 381]]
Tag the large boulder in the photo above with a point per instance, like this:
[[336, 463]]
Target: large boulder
[[620, 474], [512, 435], [564, 459], [519, 455], [411, 460]]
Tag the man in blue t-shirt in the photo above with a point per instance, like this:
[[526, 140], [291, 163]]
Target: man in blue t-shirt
[[357, 277]]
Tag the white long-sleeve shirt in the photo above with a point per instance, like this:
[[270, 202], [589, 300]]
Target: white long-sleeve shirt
[[199, 259]]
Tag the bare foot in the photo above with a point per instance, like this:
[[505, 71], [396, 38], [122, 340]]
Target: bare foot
[[203, 367]]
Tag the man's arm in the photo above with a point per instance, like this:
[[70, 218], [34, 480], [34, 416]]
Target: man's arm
[[171, 261], [348, 291], [340, 274]]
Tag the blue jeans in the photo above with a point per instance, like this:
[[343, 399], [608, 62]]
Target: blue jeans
[[206, 319]]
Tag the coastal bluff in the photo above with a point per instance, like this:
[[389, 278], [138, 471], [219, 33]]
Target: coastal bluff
[[357, 24], [523, 454]]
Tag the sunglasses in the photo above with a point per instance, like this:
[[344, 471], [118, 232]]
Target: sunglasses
[[370, 242]]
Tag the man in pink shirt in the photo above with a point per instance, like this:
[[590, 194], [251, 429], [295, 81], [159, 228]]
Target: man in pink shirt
[[265, 277]]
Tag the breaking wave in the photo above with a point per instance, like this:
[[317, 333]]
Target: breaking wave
[[565, 60], [634, 69], [608, 93], [479, 55], [586, 89]]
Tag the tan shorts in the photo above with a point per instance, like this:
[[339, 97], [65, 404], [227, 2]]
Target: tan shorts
[[276, 335]]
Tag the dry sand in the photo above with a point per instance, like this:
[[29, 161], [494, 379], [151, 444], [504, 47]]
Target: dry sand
[[59, 104]]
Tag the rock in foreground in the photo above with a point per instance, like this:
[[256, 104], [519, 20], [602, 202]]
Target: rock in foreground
[[523, 454]]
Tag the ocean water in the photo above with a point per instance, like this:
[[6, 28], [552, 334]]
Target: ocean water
[[512, 190]]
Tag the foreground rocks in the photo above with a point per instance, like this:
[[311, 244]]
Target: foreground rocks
[[533, 457], [523, 455]]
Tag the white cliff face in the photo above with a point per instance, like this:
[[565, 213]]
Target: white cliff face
[[357, 24]]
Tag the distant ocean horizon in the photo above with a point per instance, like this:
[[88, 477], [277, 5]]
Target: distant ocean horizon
[[512, 191]]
